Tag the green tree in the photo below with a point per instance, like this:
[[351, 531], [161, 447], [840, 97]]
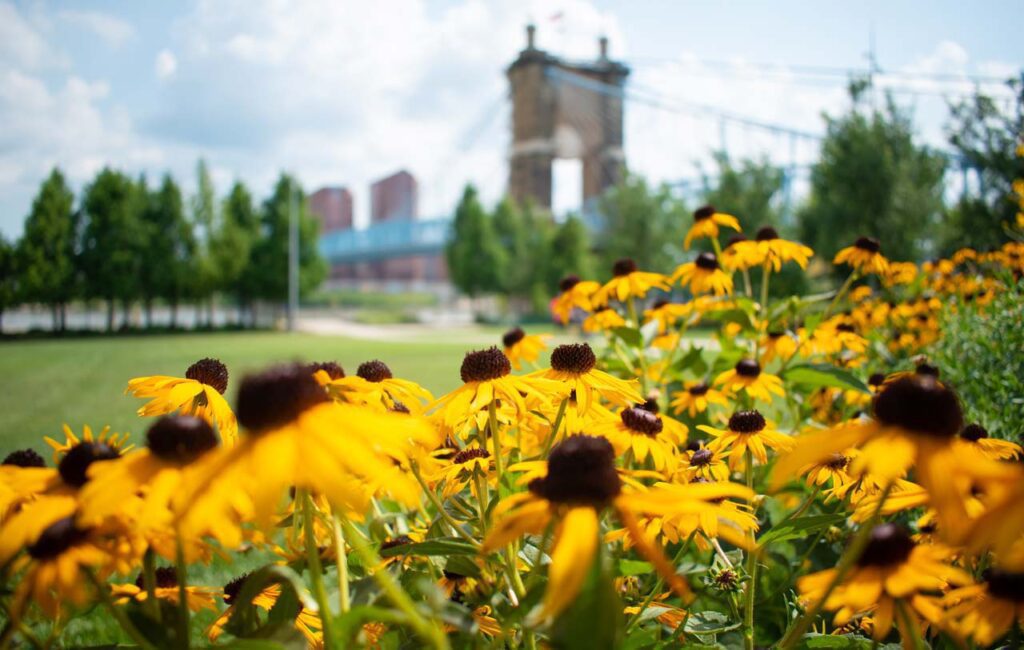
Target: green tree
[[985, 139], [525, 235], [270, 253], [474, 254], [8, 278], [204, 216], [570, 253], [168, 269], [873, 179], [234, 241], [645, 224], [112, 240], [46, 251]]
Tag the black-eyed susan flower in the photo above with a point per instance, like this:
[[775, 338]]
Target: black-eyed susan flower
[[668, 313], [486, 376], [746, 430], [703, 275], [460, 469], [695, 398], [165, 588], [374, 385], [520, 346], [747, 376], [628, 282], [706, 222], [769, 250], [989, 609], [574, 367], [200, 392], [865, 256], [891, 573], [642, 434], [574, 294], [830, 471], [975, 435], [704, 463], [603, 320], [738, 258], [326, 371], [778, 344], [307, 622]]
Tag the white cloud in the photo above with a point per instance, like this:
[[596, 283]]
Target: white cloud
[[166, 64], [22, 42], [112, 30]]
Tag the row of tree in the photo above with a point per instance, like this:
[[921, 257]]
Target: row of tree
[[874, 177], [125, 243]]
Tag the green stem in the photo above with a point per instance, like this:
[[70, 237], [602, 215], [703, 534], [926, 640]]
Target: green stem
[[659, 583], [482, 497], [432, 497], [316, 571], [916, 642], [641, 354], [184, 627], [746, 283], [341, 559], [492, 424], [554, 427], [117, 613], [751, 568], [430, 632], [803, 506], [149, 578], [839, 294], [846, 562]]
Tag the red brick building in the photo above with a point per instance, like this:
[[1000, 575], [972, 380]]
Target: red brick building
[[333, 206], [394, 197]]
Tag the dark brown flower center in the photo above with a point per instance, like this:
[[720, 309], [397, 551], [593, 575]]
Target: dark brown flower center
[[1005, 585], [576, 358], [395, 542], [181, 438], [889, 544], [869, 244], [166, 578], [74, 465], [703, 212], [513, 336], [927, 369], [56, 538], [876, 379], [625, 266], [735, 239], [467, 455], [651, 405], [767, 233], [658, 304], [233, 588], [921, 404], [702, 457], [707, 262], [698, 390], [640, 421], [748, 368], [485, 365], [836, 461], [398, 407], [332, 368], [211, 372], [24, 458], [374, 371], [974, 432], [277, 396], [581, 471], [846, 327], [746, 422], [568, 282]]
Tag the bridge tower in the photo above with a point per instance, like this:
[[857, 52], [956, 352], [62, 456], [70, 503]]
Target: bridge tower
[[554, 118]]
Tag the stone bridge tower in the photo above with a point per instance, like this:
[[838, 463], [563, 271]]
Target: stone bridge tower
[[564, 109]]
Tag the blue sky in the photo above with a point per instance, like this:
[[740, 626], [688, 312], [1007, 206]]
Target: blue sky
[[345, 92]]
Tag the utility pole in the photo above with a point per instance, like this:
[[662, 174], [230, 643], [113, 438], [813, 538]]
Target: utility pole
[[293, 256]]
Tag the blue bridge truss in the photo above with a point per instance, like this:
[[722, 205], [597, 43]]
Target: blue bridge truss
[[387, 239]]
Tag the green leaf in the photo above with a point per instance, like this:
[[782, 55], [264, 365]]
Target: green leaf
[[649, 331], [799, 527], [634, 567], [693, 361], [710, 621], [244, 620], [819, 374], [594, 620], [630, 336], [438, 546], [841, 642]]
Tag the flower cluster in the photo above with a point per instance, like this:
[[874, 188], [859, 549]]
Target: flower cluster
[[703, 456]]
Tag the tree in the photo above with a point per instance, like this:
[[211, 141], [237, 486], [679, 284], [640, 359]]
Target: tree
[[985, 138], [46, 251], [8, 278], [640, 223], [474, 254], [873, 179], [204, 216], [525, 235], [112, 244], [269, 265], [234, 241], [168, 268], [570, 253]]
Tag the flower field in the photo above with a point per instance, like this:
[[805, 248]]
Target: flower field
[[811, 480]]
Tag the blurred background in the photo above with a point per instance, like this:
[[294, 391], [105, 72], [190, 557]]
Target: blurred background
[[403, 171]]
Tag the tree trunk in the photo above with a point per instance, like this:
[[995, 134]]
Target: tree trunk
[[210, 320], [126, 314], [110, 314], [174, 312], [148, 305], [63, 310]]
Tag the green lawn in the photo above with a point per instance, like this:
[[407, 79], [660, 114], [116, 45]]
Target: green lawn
[[81, 381]]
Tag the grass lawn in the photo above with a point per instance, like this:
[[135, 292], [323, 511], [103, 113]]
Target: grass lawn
[[81, 381]]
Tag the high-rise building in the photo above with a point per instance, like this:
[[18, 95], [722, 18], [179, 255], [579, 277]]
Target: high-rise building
[[394, 197], [333, 206]]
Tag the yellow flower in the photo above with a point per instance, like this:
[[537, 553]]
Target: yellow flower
[[374, 385], [864, 256], [900, 273], [737, 257], [975, 436], [770, 251], [891, 573], [696, 397], [746, 430], [628, 282], [706, 222], [486, 376], [522, 347], [574, 294], [643, 433], [778, 344], [105, 438], [987, 610], [165, 588], [704, 275], [704, 464], [668, 313], [307, 622], [200, 393], [574, 368], [603, 320], [459, 471], [747, 376]]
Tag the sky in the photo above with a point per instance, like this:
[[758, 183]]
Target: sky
[[344, 92]]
